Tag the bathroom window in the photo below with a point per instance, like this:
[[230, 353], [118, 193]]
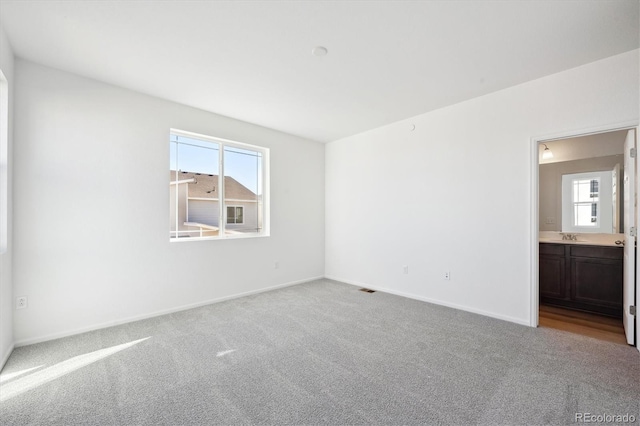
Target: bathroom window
[[587, 203], [217, 188]]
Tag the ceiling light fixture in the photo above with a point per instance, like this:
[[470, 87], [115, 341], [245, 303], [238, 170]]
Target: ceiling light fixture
[[319, 51], [546, 154]]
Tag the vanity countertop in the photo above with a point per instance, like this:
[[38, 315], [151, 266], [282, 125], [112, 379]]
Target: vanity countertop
[[586, 243], [608, 240]]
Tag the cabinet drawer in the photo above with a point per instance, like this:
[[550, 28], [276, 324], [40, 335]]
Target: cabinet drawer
[[552, 249], [596, 252]]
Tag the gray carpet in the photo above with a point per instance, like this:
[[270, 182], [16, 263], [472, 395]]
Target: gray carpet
[[319, 353]]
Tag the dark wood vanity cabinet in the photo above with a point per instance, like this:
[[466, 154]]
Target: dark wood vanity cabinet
[[582, 277], [553, 268]]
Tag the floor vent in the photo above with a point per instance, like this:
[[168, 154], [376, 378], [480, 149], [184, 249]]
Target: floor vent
[[366, 290]]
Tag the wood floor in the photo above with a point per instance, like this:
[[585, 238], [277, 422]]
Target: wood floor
[[596, 326]]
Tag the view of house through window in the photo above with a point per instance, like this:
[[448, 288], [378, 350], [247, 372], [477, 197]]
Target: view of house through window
[[234, 214], [216, 187]]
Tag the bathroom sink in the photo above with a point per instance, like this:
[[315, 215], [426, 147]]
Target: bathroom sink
[[559, 241]]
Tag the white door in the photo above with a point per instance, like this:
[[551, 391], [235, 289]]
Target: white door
[[629, 278]]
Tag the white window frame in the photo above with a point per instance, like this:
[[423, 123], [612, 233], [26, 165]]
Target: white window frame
[[222, 143], [605, 203]]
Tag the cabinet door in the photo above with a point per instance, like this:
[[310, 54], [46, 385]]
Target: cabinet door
[[552, 277], [597, 282]]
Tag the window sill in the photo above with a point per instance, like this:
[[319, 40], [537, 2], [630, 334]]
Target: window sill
[[229, 237]]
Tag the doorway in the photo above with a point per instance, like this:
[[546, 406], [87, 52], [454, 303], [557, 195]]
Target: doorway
[[579, 233], [578, 322]]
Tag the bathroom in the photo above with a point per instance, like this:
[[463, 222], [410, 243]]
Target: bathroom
[[583, 255]]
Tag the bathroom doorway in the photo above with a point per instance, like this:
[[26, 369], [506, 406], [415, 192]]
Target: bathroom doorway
[[581, 234]]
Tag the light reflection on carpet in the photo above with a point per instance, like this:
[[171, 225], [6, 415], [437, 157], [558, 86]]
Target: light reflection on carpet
[[26, 383]]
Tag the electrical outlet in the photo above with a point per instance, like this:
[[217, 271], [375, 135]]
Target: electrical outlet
[[447, 275], [21, 302], [276, 265], [405, 269]]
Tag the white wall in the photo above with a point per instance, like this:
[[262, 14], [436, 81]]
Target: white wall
[[6, 286], [91, 210], [455, 193]]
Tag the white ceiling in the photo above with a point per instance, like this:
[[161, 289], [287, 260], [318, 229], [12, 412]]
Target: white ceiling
[[387, 61]]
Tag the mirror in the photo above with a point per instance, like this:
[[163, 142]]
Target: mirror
[[580, 186]]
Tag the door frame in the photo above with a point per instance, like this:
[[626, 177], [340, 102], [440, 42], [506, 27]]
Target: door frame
[[535, 143]]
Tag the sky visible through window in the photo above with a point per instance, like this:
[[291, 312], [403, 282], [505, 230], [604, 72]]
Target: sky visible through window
[[197, 156]]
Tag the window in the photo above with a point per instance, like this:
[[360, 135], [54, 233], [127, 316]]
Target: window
[[587, 202], [217, 188], [234, 214]]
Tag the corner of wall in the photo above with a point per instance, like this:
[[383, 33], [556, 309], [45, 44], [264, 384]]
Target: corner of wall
[[6, 281]]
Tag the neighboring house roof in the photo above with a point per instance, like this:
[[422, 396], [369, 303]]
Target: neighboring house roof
[[206, 186]]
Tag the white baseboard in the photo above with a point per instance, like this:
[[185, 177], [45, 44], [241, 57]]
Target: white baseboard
[[53, 336], [6, 356], [108, 324], [434, 301]]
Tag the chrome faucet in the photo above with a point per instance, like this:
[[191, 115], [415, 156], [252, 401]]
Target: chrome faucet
[[569, 237]]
